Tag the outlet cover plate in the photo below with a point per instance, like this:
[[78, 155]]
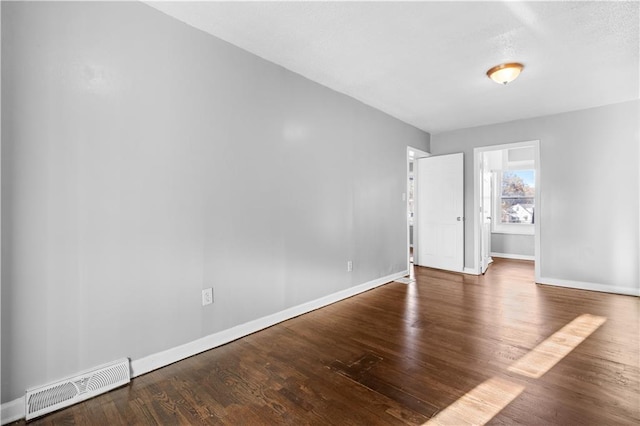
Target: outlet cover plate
[[207, 296]]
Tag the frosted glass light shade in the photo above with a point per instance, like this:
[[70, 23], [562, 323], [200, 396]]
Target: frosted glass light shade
[[505, 73]]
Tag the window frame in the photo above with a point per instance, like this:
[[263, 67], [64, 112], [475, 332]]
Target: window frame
[[497, 227]]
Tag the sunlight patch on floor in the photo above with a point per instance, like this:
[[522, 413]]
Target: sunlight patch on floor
[[485, 401], [480, 405], [548, 353]]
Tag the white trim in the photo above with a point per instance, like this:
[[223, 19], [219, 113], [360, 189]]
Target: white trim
[[161, 359], [582, 285], [470, 271], [513, 256], [513, 229], [12, 411], [536, 236], [15, 410], [417, 153]]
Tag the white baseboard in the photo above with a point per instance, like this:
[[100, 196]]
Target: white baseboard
[[14, 410], [161, 359], [470, 271], [513, 256], [581, 285]]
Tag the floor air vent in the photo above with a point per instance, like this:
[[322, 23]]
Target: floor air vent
[[54, 396]]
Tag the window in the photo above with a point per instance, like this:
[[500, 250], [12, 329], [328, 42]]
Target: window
[[515, 202]]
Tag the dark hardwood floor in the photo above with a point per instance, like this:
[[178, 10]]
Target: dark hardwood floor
[[402, 354]]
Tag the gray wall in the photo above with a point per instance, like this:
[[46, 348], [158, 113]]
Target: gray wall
[[144, 160], [517, 244], [589, 207]]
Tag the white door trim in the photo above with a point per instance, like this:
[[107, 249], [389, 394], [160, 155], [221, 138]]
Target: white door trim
[[417, 153], [477, 152]]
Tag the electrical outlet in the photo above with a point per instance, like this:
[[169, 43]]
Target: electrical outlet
[[207, 296], [349, 266]]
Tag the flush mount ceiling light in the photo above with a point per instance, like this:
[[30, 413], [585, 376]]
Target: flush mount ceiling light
[[505, 73]]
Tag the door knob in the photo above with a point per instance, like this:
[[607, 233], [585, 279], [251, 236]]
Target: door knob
[[458, 218]]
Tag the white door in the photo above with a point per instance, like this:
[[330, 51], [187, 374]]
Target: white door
[[440, 212], [485, 216]]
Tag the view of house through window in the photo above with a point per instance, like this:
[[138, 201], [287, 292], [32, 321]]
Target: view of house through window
[[517, 191]]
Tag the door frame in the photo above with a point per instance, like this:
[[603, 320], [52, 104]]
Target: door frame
[[412, 155], [477, 154], [482, 176]]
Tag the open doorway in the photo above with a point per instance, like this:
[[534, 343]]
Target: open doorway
[[507, 192], [413, 154]]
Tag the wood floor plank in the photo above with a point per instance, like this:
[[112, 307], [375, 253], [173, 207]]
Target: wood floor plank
[[440, 350]]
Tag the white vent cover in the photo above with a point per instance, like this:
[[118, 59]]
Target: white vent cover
[[85, 385]]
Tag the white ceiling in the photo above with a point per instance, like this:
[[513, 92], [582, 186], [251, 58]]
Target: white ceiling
[[425, 62]]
